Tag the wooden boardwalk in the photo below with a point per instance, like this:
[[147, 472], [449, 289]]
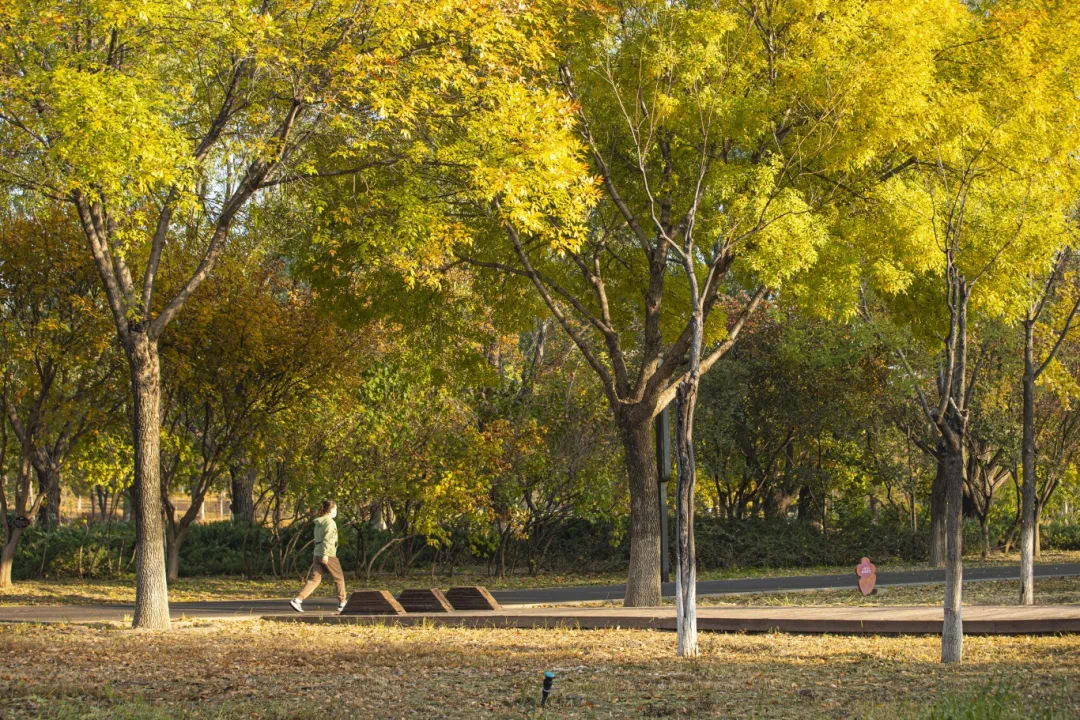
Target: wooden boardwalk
[[882, 620]]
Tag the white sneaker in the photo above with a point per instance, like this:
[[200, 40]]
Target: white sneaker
[[297, 604], [340, 607]]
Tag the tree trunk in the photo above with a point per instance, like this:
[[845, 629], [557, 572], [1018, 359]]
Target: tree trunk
[[127, 504], [1038, 532], [806, 499], [176, 541], [378, 518], [7, 556], [504, 538], [952, 428], [243, 494], [49, 510], [914, 514], [1027, 462], [984, 526], [952, 634], [280, 484], [151, 587], [685, 552], [1015, 529], [937, 512], [643, 578], [778, 501]]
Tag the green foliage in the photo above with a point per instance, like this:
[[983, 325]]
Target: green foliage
[[991, 181], [1059, 536], [89, 550], [790, 415], [995, 701], [409, 188], [759, 543]]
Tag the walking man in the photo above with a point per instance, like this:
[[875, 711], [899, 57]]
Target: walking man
[[325, 558]]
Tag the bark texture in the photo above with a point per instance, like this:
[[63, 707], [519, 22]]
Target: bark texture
[[686, 555], [7, 556], [952, 634], [643, 579], [937, 512], [952, 425], [1027, 461], [49, 487], [151, 586], [242, 504], [172, 553]]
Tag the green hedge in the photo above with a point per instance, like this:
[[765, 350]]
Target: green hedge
[[97, 550], [791, 543], [1060, 537], [91, 550]]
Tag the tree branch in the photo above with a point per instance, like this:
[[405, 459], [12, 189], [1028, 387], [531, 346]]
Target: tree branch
[[605, 377]]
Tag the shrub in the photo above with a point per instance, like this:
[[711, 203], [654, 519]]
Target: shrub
[[96, 550], [91, 550], [1060, 537], [792, 543]]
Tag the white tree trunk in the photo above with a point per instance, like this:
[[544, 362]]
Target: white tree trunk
[[952, 632], [1027, 461], [686, 555]]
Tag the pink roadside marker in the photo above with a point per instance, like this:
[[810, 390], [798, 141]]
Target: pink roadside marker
[[867, 573]]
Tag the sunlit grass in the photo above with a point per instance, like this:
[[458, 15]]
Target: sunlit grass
[[278, 670]]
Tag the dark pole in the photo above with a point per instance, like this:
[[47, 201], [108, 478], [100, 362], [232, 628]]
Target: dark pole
[[663, 472]]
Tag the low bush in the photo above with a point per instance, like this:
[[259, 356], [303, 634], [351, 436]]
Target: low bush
[[1059, 536], [96, 550], [791, 543], [92, 550]]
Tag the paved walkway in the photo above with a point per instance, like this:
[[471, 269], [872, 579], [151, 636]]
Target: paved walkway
[[778, 584], [247, 609], [889, 620]]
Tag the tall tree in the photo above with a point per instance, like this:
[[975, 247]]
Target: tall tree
[[251, 347], [161, 125], [986, 200], [59, 368], [1035, 364], [720, 135]]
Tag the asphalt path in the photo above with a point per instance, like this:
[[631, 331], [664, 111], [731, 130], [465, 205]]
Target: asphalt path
[[544, 596], [246, 609]]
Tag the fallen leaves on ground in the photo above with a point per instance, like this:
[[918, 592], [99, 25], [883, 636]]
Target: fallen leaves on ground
[[286, 670]]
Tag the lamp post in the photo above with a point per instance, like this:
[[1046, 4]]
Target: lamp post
[[663, 473]]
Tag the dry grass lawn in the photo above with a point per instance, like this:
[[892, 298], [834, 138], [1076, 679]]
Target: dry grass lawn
[[278, 670], [275, 670]]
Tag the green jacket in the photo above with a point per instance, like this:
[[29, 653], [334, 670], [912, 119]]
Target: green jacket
[[325, 537]]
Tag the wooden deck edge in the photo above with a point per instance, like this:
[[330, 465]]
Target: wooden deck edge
[[723, 625]]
